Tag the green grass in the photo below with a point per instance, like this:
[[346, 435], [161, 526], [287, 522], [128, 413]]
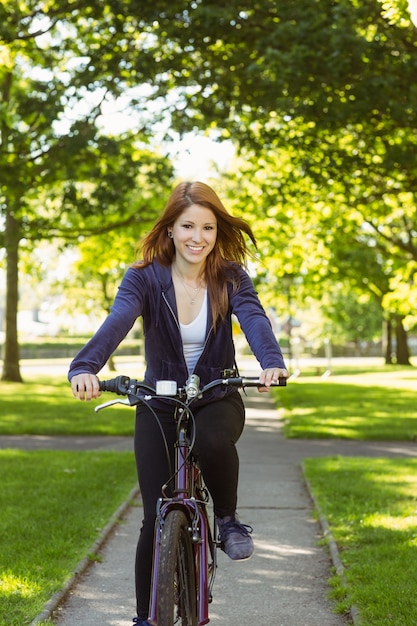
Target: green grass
[[352, 404], [371, 504], [53, 507], [45, 405], [67, 347], [371, 507]]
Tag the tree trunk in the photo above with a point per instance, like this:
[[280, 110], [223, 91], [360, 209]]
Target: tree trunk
[[11, 369], [403, 353], [388, 341]]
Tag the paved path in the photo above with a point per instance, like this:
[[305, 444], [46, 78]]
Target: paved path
[[283, 584]]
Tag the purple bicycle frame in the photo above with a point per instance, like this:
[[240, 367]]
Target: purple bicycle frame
[[195, 511]]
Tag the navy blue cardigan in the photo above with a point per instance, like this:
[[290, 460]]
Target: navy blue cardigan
[[149, 293]]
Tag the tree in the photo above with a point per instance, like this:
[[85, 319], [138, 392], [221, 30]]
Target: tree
[[333, 86], [311, 234], [330, 85], [102, 260], [62, 176]]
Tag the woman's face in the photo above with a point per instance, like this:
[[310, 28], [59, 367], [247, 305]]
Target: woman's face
[[194, 234]]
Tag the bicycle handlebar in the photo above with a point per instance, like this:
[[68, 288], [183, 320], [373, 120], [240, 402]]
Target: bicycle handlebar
[[125, 386]]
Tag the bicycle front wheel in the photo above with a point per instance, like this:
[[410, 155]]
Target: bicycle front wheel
[[176, 592]]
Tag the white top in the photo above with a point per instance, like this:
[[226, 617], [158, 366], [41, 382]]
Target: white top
[[193, 336]]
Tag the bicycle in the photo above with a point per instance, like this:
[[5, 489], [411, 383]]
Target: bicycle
[[184, 557]]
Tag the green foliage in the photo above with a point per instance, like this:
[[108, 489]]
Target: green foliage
[[351, 316], [319, 99], [63, 176], [102, 261], [54, 506], [370, 507], [402, 297]]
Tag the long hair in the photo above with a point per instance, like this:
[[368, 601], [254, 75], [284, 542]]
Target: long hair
[[230, 243]]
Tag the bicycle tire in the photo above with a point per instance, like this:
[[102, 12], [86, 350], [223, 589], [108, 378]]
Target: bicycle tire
[[176, 591]]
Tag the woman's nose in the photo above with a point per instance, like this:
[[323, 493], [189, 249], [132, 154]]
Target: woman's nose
[[196, 234]]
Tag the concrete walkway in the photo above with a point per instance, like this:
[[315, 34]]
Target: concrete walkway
[[283, 584]]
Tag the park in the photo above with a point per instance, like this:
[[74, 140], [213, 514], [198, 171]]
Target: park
[[303, 117]]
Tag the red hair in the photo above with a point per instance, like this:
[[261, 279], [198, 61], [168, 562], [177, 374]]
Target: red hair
[[230, 243]]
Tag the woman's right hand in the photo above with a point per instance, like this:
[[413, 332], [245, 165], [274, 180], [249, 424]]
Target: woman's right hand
[[85, 387]]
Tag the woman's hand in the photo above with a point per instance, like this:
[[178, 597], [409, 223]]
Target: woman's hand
[[271, 375], [85, 386]]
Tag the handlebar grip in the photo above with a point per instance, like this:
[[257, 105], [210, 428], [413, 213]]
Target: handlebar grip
[[254, 382], [249, 381], [119, 385]]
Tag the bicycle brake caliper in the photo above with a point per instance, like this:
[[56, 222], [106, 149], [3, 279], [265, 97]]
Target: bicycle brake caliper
[[195, 528]]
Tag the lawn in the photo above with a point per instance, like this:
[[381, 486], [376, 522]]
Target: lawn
[[377, 404], [54, 506], [52, 503], [44, 405], [371, 508], [370, 505]]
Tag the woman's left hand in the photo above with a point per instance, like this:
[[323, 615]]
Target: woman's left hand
[[271, 375]]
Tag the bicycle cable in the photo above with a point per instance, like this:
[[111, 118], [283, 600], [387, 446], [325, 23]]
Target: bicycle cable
[[178, 403]]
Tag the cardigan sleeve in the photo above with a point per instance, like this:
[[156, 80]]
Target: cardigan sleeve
[[126, 308], [255, 324]]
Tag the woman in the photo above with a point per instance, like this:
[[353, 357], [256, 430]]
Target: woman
[[186, 287]]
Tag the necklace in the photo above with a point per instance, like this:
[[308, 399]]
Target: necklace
[[187, 286]]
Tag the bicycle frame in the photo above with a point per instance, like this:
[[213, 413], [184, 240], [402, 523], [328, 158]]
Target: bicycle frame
[[186, 496]]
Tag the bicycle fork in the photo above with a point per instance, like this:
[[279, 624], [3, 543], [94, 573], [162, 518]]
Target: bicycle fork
[[204, 550]]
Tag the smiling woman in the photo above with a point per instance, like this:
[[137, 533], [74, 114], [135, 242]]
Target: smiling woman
[[189, 282]]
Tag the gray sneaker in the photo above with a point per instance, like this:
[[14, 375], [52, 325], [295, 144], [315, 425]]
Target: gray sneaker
[[234, 537]]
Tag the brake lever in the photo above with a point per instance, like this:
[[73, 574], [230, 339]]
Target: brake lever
[[111, 403]]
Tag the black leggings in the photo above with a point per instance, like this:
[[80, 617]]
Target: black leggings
[[218, 427]]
